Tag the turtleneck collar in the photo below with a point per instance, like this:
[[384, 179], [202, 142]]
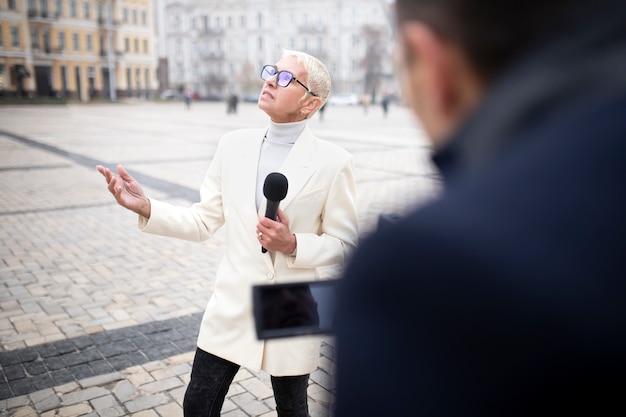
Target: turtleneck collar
[[285, 133]]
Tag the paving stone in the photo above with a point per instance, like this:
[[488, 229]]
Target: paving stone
[[145, 413], [100, 380], [145, 402], [257, 388], [19, 401], [103, 403], [45, 400], [124, 391], [75, 410], [83, 395], [24, 412], [162, 385], [248, 404], [170, 410]]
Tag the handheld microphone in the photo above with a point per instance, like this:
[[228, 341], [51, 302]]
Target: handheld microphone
[[275, 190]]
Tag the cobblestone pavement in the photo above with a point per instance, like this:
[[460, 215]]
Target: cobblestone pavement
[[99, 319]]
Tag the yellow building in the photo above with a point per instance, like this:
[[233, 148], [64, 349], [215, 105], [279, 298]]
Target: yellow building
[[79, 49]]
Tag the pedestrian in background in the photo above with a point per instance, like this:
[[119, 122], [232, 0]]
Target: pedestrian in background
[[384, 102], [506, 296], [231, 103], [316, 226]]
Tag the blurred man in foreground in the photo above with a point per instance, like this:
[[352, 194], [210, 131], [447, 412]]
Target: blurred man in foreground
[[507, 295]]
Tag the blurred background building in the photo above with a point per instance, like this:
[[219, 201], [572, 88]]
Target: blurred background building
[[81, 49], [86, 49], [217, 47]]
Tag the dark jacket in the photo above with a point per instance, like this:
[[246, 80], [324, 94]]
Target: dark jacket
[[507, 295]]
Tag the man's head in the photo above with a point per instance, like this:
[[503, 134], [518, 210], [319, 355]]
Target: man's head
[[451, 50]]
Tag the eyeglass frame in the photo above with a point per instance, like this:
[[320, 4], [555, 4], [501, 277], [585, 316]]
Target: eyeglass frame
[[293, 78]]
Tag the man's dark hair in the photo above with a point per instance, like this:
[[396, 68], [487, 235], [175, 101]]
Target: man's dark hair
[[492, 33]]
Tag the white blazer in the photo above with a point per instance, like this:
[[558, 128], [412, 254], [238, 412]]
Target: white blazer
[[321, 208]]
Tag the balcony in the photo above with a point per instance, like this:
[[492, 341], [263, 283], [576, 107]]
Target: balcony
[[213, 55], [42, 16], [321, 54], [102, 22], [45, 50], [211, 32], [312, 29]]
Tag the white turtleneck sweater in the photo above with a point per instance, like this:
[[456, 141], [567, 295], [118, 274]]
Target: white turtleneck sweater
[[278, 142]]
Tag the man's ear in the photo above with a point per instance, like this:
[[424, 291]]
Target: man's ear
[[430, 63]]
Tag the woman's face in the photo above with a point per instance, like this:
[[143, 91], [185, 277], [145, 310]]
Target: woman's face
[[285, 104]]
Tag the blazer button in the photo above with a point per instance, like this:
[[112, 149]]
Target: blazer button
[[269, 276]]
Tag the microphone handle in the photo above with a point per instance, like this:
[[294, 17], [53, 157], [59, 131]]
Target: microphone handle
[[271, 212]]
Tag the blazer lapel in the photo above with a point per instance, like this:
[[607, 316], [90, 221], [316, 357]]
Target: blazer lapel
[[298, 167]]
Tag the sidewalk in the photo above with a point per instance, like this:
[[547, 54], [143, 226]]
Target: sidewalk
[[99, 319]]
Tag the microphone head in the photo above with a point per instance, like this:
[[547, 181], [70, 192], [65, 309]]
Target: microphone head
[[275, 186]]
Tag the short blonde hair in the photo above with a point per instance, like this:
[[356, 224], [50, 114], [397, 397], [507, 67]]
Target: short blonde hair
[[318, 77]]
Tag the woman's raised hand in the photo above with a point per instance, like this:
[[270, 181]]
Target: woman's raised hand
[[126, 190]]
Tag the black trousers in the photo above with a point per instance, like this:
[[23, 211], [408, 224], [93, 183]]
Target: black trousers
[[211, 377]]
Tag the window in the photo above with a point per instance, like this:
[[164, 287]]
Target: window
[[145, 46], [1, 40], [259, 18], [126, 45], [136, 42], [58, 5], [242, 21], [144, 18], [86, 10], [138, 78], [31, 6], [46, 40], [147, 79], [128, 78], [135, 17], [43, 7], [72, 8], [34, 37], [89, 43], [15, 36], [61, 40], [100, 11], [11, 4], [260, 43], [125, 15], [75, 44]]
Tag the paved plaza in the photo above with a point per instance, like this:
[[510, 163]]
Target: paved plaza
[[99, 319]]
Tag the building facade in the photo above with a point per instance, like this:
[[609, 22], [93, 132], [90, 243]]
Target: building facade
[[216, 48], [81, 49]]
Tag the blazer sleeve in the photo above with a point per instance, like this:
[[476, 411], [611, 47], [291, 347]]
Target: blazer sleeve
[[197, 222], [339, 226]]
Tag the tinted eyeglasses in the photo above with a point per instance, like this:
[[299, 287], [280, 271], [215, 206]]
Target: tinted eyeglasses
[[283, 77]]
